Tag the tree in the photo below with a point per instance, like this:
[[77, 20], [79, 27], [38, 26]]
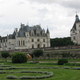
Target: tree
[[37, 53], [58, 42], [5, 54]]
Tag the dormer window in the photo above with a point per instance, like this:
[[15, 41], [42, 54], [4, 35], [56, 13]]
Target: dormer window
[[32, 40]]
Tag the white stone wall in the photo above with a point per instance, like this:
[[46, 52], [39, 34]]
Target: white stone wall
[[10, 44], [26, 42], [76, 34], [21, 43]]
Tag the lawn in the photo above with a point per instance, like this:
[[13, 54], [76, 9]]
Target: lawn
[[58, 74]]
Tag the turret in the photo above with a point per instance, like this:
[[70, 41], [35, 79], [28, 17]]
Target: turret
[[47, 32], [77, 18]]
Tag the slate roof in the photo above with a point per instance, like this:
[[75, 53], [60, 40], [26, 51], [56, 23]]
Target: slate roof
[[27, 28], [23, 29], [3, 38], [76, 21]]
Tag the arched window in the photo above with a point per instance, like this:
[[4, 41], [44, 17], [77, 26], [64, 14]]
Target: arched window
[[19, 43], [43, 40], [32, 45], [38, 46], [32, 40], [23, 43]]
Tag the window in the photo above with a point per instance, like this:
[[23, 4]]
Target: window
[[38, 40], [23, 43], [32, 45], [38, 46], [43, 40], [19, 43], [32, 40]]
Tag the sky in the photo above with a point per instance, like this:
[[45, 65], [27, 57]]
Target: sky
[[56, 15]]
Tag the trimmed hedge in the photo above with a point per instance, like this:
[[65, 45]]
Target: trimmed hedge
[[47, 75], [19, 57], [62, 61]]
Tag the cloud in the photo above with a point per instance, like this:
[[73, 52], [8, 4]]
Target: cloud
[[42, 1], [75, 4], [54, 14], [47, 1], [2, 1], [21, 3], [1, 15], [65, 3]]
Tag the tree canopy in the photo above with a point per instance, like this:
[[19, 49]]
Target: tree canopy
[[58, 42]]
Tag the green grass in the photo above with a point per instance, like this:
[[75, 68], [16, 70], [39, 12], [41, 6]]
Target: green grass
[[59, 74], [63, 50], [55, 60]]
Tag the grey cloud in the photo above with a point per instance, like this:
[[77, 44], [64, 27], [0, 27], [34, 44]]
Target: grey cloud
[[66, 3], [43, 11], [45, 1], [71, 4], [2, 1], [21, 3], [1, 15]]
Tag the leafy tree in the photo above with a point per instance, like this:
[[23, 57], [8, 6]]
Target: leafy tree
[[5, 54], [37, 53], [19, 57], [58, 42]]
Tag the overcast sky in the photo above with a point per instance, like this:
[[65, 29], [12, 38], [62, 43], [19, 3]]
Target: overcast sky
[[56, 15]]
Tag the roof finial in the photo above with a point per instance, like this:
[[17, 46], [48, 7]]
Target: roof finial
[[76, 17], [47, 30]]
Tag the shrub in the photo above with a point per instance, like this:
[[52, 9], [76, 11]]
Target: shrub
[[19, 57], [5, 54], [38, 53], [62, 61]]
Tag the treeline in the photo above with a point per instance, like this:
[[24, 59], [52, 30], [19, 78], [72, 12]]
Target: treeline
[[59, 42]]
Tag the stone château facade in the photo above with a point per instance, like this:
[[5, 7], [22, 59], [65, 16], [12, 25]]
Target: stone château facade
[[75, 31], [26, 38]]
